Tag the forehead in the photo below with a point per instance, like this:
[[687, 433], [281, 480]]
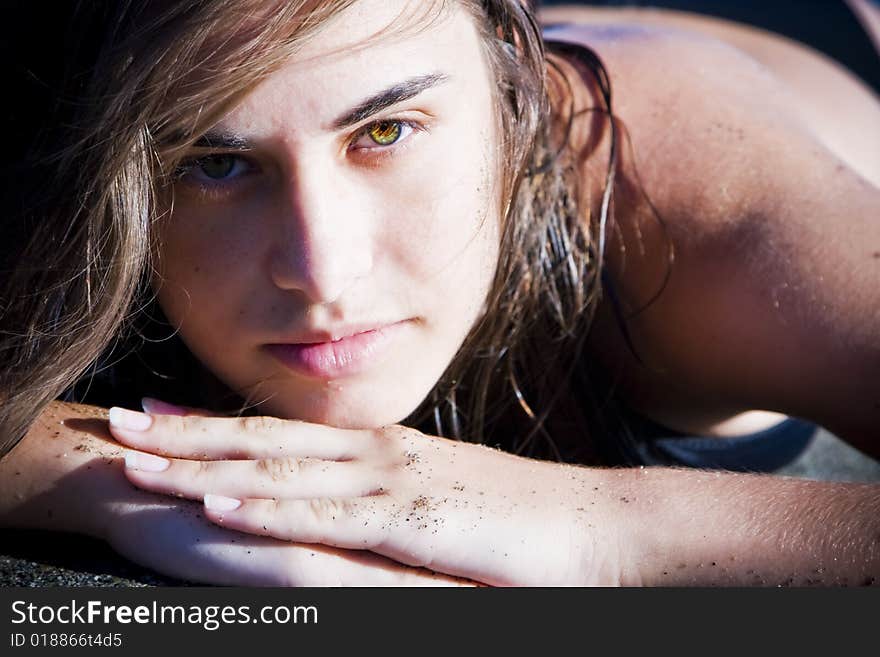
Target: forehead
[[367, 47], [368, 23]]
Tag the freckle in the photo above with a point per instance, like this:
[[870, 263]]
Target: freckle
[[876, 254]]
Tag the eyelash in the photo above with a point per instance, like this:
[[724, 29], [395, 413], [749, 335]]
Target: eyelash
[[189, 169], [380, 151]]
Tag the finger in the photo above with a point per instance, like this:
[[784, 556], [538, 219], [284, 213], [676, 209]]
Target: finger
[[194, 550], [263, 561], [320, 565], [212, 438], [353, 523], [290, 477], [379, 523], [158, 407]]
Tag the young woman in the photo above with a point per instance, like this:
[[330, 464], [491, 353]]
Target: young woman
[[375, 224]]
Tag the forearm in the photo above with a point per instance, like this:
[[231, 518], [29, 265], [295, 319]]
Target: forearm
[[681, 527], [59, 475]]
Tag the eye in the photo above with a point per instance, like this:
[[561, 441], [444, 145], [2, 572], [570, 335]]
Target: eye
[[382, 134], [385, 133], [215, 168]]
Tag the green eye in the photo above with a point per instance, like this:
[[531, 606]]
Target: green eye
[[385, 133], [217, 167]]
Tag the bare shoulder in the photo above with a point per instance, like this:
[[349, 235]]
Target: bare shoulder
[[774, 223], [680, 69]]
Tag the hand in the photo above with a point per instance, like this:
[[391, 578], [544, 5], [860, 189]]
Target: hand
[[67, 474], [456, 508], [174, 538]]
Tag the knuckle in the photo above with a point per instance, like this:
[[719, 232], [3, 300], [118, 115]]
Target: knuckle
[[391, 438], [258, 424], [377, 438], [202, 469], [170, 429], [323, 509], [185, 423], [280, 469], [177, 436], [173, 423]]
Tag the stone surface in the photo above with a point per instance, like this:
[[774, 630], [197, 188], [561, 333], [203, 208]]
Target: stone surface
[[37, 558]]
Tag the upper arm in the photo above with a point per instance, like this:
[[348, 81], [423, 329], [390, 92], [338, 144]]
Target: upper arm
[[777, 308], [772, 299]]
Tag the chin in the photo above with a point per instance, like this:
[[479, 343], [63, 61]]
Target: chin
[[335, 410]]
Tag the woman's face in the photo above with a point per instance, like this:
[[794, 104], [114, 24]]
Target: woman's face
[[333, 238]]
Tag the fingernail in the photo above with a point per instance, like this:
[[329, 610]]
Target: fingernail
[[158, 407], [220, 503], [145, 462], [122, 418]]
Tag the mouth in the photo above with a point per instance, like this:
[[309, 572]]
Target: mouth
[[335, 354]]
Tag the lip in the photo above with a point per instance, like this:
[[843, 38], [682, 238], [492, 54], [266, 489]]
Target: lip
[[319, 355]]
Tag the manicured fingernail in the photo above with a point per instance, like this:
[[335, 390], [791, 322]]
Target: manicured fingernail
[[122, 418], [145, 462], [158, 407], [220, 503]]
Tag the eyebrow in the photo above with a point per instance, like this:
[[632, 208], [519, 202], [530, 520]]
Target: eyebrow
[[373, 105], [223, 140], [387, 97]]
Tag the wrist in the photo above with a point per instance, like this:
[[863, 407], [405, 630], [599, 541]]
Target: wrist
[[60, 473], [662, 536], [599, 514], [632, 533]]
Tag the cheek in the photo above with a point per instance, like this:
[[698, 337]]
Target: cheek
[[447, 219], [202, 253]]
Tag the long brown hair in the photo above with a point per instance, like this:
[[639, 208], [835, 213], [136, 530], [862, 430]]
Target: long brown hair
[[514, 381], [149, 78]]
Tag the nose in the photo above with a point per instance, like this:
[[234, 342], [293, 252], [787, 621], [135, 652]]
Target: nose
[[324, 242]]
